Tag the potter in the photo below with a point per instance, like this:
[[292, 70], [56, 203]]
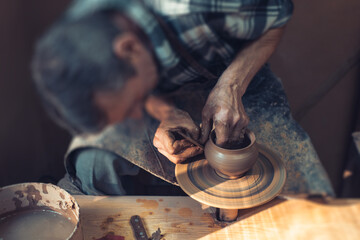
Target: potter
[[122, 76]]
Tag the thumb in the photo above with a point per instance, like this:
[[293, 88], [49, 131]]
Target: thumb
[[193, 131], [205, 130]]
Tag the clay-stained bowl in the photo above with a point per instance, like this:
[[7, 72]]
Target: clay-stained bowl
[[231, 163], [46, 204]]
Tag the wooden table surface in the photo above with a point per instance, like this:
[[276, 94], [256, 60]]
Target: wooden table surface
[[184, 218]]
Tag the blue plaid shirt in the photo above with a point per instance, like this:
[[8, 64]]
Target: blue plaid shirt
[[212, 31]]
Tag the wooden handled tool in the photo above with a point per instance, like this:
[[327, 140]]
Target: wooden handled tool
[[189, 138]]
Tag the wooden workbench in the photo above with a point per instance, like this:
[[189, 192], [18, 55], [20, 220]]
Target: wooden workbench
[[184, 218]]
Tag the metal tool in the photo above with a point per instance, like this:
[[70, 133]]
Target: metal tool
[[138, 228]]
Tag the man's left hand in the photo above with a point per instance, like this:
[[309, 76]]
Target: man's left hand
[[177, 150]]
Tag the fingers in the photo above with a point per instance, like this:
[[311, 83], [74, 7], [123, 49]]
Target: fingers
[[238, 130], [180, 145], [222, 131], [191, 128], [175, 150], [192, 133], [189, 152], [178, 158], [230, 129], [205, 129], [183, 121], [238, 134], [165, 140], [166, 143]]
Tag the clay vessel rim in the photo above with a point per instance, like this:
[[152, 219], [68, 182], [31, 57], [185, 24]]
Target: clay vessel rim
[[249, 133]]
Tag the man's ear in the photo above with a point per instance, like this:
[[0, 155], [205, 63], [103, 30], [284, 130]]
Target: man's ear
[[128, 46]]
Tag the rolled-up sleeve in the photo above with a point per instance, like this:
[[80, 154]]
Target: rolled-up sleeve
[[253, 18], [286, 9]]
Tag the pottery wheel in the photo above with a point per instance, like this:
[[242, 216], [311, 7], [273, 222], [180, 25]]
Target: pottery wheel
[[259, 185]]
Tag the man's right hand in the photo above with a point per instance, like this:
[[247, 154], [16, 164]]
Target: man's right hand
[[164, 140]]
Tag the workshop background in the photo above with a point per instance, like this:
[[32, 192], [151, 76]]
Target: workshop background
[[318, 61]]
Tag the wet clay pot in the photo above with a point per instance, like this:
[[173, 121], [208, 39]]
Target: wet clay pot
[[231, 163]]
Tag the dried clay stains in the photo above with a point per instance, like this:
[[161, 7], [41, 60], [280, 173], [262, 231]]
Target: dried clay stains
[[111, 223], [185, 212], [33, 196], [111, 236], [148, 204]]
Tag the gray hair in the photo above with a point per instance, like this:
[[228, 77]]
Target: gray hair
[[72, 61]]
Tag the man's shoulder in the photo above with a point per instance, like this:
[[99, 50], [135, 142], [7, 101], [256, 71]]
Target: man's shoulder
[[79, 8], [179, 7]]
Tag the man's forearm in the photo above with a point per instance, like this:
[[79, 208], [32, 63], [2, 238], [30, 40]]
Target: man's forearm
[[250, 59]]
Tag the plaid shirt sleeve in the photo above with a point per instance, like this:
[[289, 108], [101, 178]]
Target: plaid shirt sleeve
[[245, 19], [211, 30]]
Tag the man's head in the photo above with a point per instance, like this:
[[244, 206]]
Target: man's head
[[93, 71]]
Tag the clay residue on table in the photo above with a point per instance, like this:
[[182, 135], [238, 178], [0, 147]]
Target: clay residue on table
[[179, 228], [110, 223], [185, 212], [175, 225], [148, 204], [210, 219], [111, 236], [145, 214], [167, 210], [105, 224]]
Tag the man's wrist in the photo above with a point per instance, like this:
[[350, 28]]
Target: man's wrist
[[167, 113], [248, 61], [158, 108], [235, 79]]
